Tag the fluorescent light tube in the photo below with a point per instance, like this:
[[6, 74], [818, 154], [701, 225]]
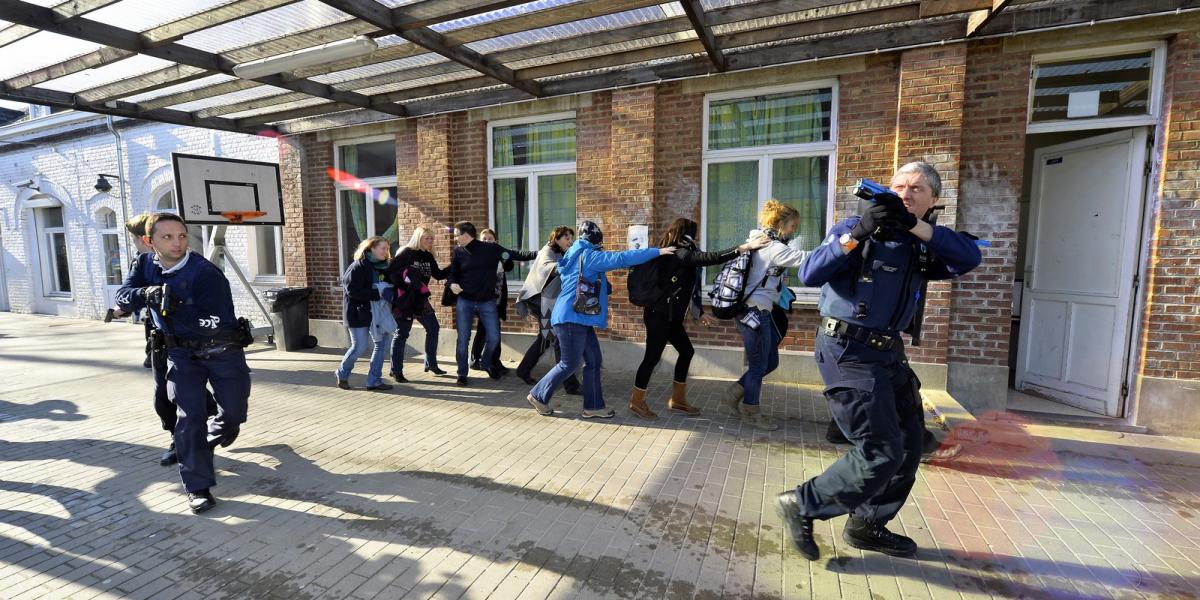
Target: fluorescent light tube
[[331, 52]]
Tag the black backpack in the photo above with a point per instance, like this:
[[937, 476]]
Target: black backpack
[[645, 283]]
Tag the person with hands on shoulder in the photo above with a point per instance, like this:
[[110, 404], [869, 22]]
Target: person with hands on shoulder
[[536, 301], [679, 278], [191, 304], [870, 269], [581, 307], [416, 260], [366, 312]]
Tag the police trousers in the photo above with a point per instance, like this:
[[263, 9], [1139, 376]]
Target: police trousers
[[187, 377], [874, 398], [163, 407]]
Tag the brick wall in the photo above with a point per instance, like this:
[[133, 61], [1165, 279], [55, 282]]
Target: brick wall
[[320, 245], [929, 127], [1171, 322], [997, 87]]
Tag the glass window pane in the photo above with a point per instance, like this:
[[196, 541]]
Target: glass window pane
[[556, 205], [534, 143], [510, 213], [166, 201], [353, 207], [375, 159], [53, 216], [732, 209], [112, 259], [106, 219], [266, 243], [1112, 86], [803, 183], [62, 271], [789, 118], [385, 209]]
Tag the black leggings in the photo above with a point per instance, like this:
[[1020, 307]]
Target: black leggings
[[659, 331]]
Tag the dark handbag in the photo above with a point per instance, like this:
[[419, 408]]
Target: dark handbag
[[587, 293], [448, 296]]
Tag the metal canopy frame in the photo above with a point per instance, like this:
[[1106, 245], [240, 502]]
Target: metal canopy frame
[[445, 55]]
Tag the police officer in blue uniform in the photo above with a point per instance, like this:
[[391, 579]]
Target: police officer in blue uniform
[[191, 303], [870, 268]]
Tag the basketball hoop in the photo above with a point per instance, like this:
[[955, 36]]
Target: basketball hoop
[[237, 217]]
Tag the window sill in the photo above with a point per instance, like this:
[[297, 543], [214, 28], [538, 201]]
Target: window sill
[[60, 298], [269, 281]]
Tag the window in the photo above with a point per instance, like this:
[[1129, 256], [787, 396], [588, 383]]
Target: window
[[366, 193], [52, 246], [1096, 88], [199, 236], [531, 172], [775, 143], [268, 251], [110, 242]]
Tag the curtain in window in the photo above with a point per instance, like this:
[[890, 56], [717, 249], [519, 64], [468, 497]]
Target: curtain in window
[[354, 222], [556, 205], [510, 209], [803, 183], [533, 143], [385, 209], [732, 209], [791, 118]]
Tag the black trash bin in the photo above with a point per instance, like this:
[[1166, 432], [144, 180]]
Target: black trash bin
[[289, 315]]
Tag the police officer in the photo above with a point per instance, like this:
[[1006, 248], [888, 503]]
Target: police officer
[[156, 349], [870, 268], [191, 303]]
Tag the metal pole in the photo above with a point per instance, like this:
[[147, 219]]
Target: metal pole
[[124, 198]]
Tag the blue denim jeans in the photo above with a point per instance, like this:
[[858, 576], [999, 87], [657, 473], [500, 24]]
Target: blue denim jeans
[[404, 327], [762, 354], [465, 311], [360, 340], [579, 346]]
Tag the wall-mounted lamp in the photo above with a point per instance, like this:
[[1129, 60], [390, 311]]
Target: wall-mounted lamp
[[102, 184], [29, 184]]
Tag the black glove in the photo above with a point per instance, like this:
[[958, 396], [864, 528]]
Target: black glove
[[153, 295], [906, 221], [885, 212], [226, 436]]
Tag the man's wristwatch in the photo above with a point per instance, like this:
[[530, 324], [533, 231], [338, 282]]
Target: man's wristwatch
[[848, 242]]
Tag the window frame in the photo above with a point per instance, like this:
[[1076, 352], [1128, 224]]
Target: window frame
[[47, 259], [531, 174], [765, 156], [253, 256], [1158, 70], [115, 232], [373, 183]]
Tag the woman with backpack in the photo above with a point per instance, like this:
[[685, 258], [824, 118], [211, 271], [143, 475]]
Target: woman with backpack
[[676, 290], [581, 307], [536, 300], [413, 268], [760, 335], [367, 311]]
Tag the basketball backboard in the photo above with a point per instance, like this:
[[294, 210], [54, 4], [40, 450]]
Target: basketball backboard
[[227, 191]]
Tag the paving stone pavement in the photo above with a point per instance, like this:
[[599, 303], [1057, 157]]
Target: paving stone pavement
[[436, 491]]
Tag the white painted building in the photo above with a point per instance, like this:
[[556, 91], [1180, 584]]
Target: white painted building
[[62, 242]]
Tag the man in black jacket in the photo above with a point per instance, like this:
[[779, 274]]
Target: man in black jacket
[[473, 280]]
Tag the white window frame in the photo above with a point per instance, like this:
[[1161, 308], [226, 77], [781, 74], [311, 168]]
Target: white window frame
[[766, 155], [373, 183], [252, 252], [115, 232], [531, 174], [1158, 70], [46, 257]]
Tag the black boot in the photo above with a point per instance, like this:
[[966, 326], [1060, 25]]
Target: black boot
[[865, 535], [169, 457], [398, 376], [800, 527], [833, 434]]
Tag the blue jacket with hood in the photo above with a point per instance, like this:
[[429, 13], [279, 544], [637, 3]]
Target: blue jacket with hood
[[595, 263]]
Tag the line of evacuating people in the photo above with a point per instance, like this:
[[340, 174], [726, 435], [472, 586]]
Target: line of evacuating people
[[566, 293]]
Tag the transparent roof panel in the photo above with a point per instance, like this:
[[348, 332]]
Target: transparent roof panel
[[274, 108], [187, 86], [123, 69], [140, 15], [253, 93], [657, 40], [279, 22], [41, 49], [504, 13], [649, 63], [380, 68], [416, 83], [804, 15], [541, 35]]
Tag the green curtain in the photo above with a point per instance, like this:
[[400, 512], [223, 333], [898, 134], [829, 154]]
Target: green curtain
[[803, 184], [533, 143], [386, 224], [348, 159], [732, 209], [791, 118], [556, 205], [510, 209]]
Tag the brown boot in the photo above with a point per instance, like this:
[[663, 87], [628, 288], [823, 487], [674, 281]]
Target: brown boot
[[637, 405], [679, 401]]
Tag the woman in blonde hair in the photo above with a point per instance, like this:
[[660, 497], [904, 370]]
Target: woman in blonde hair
[[366, 312], [760, 335], [416, 260]]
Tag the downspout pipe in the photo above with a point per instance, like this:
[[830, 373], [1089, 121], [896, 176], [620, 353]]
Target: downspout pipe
[[121, 179]]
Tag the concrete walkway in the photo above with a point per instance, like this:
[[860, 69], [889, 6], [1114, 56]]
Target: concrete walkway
[[437, 491]]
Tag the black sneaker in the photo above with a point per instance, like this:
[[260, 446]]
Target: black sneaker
[[800, 527], [382, 387], [527, 379], [476, 365], [573, 391], [169, 457], [399, 377], [833, 434], [495, 373], [201, 501], [865, 535], [435, 370], [462, 381]]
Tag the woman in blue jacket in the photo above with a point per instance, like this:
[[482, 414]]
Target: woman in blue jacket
[[576, 331], [366, 312]]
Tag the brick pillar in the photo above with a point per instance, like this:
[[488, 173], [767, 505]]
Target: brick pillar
[[633, 178], [423, 170], [291, 175], [310, 233], [929, 121]]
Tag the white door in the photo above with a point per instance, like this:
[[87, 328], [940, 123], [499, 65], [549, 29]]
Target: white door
[[1079, 269]]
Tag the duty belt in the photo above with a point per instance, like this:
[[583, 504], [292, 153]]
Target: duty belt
[[219, 341], [835, 328]]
